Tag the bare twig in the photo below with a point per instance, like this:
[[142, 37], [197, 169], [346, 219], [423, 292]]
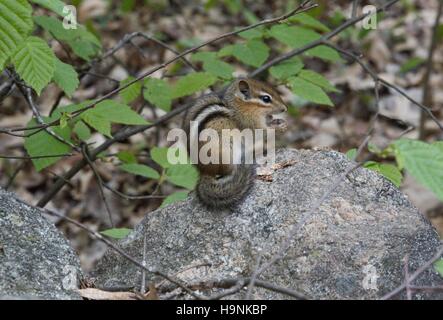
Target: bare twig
[[374, 76], [100, 183], [413, 276], [125, 255], [318, 42]]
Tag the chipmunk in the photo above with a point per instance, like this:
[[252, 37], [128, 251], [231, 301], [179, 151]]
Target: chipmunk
[[245, 103]]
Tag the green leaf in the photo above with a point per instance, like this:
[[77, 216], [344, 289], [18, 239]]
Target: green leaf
[[309, 91], [253, 53], [226, 51], [423, 161], [183, 175], [158, 92], [309, 21], [127, 157], [53, 5], [438, 265], [256, 33], [141, 170], [351, 153], [82, 42], [318, 80], [97, 121], [105, 112], [44, 144], [116, 233], [389, 171], [15, 24], [219, 68], [117, 112], [438, 144], [287, 68], [34, 61], [172, 198], [214, 66], [82, 131], [293, 36], [132, 92], [324, 52], [66, 77], [192, 83], [160, 156], [411, 64]]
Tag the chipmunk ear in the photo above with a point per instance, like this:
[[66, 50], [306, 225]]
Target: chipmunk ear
[[244, 88]]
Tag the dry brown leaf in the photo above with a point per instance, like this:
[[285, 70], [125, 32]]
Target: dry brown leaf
[[97, 294]]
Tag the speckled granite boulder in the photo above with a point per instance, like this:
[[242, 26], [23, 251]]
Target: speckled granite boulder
[[36, 261], [352, 248]]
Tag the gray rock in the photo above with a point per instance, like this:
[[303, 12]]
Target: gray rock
[[36, 261], [353, 247]]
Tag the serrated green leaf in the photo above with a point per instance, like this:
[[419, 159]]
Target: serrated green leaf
[[423, 161], [309, 21], [82, 130], [172, 198], [226, 51], [160, 156], [141, 170], [192, 83], [324, 52], [34, 61], [97, 121], [293, 36], [105, 112], [204, 56], [82, 42], [438, 265], [183, 175], [255, 33], [116, 233], [309, 91], [214, 66], [253, 53], [53, 5], [15, 25], [389, 171], [317, 79], [66, 77], [158, 92], [132, 92], [284, 70], [55, 27], [117, 112], [126, 157], [43, 144]]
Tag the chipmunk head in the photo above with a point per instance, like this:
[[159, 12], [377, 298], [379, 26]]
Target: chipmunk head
[[259, 103]]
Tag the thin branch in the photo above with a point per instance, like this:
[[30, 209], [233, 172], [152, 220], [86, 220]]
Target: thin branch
[[413, 276], [99, 182], [375, 76], [318, 42], [114, 247]]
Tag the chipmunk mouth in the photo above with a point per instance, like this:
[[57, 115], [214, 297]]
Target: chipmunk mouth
[[276, 121]]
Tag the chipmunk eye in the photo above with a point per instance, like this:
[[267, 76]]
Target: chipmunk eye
[[265, 98]]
